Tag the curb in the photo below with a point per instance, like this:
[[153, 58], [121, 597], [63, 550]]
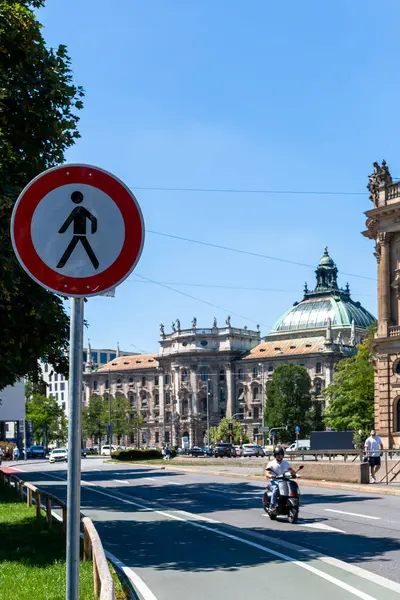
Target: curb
[[357, 487]]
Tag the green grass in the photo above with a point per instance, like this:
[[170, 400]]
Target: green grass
[[32, 556]]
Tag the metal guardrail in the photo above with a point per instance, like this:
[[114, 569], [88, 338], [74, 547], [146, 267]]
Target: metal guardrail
[[103, 584]]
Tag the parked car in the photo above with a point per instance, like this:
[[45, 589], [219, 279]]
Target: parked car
[[299, 445], [58, 455], [252, 450], [222, 450], [90, 451], [36, 451], [239, 450], [105, 450]]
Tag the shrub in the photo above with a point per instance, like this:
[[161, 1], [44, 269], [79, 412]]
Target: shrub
[[152, 454]]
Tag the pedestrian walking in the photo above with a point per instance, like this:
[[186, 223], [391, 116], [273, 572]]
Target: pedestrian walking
[[167, 455], [16, 453], [373, 447], [7, 454]]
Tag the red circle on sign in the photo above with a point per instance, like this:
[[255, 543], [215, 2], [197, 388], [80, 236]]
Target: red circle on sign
[[46, 276]]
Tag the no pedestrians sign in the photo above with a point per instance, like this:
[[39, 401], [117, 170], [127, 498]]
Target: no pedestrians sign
[[77, 230]]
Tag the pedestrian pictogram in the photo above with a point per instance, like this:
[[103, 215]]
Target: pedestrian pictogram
[[77, 230], [78, 217]]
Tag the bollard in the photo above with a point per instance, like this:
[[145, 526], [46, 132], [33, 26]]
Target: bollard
[[29, 497], [21, 490], [49, 516]]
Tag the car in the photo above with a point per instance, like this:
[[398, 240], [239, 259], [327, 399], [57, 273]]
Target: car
[[239, 450], [299, 445], [90, 451], [58, 455], [36, 451], [105, 450], [196, 451], [222, 450], [252, 450]]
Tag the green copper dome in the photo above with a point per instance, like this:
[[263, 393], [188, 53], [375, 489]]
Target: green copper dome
[[327, 301]]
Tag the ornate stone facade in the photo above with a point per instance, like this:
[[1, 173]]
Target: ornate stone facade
[[383, 226], [231, 367]]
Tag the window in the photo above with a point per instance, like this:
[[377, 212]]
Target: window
[[397, 424], [222, 395], [113, 356], [56, 387], [46, 367], [255, 393], [55, 376], [168, 398], [270, 369], [156, 400], [255, 371], [50, 387], [95, 385], [241, 394], [132, 438], [103, 358], [256, 413], [62, 396], [106, 384], [119, 382], [204, 343], [167, 379], [143, 380], [51, 376], [167, 437], [222, 375], [130, 380], [203, 374], [157, 437], [241, 413], [156, 380], [185, 375], [318, 368], [143, 398], [63, 405], [240, 374]]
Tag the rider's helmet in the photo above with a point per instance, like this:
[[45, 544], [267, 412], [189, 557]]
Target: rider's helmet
[[278, 450]]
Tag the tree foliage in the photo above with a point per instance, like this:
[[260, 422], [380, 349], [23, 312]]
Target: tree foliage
[[221, 433], [38, 122], [96, 416], [289, 402], [48, 419], [351, 394]]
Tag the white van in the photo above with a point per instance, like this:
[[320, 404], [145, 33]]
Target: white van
[[105, 450], [300, 445]]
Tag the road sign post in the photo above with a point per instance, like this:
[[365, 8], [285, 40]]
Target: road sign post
[[78, 231]]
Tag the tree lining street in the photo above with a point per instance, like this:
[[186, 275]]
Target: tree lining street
[[164, 524]]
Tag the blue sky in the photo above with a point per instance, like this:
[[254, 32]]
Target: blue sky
[[233, 95]]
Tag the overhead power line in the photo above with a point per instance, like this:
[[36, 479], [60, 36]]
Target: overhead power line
[[226, 310], [244, 191], [248, 252]]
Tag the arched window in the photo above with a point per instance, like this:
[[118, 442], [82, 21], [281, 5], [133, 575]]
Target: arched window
[[255, 393], [130, 380], [256, 413], [185, 375], [143, 395], [95, 385], [119, 382], [318, 368], [222, 375], [132, 400], [240, 374], [204, 374], [398, 415], [255, 371]]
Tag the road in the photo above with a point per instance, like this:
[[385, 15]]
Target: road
[[184, 533]]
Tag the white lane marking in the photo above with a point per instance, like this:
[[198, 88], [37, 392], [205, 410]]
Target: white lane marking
[[343, 512], [367, 575], [137, 581], [149, 478], [121, 480], [174, 483], [330, 578], [322, 526]]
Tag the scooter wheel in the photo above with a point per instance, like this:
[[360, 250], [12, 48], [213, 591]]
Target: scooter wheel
[[293, 515], [272, 516]]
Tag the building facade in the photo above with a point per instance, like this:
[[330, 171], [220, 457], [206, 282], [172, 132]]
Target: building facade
[[383, 226], [57, 384], [203, 374]]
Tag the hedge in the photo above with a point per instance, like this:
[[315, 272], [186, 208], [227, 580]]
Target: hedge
[[140, 454]]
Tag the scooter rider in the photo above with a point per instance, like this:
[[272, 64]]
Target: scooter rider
[[275, 468]]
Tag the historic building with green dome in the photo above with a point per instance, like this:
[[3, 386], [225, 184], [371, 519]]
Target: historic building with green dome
[[203, 374]]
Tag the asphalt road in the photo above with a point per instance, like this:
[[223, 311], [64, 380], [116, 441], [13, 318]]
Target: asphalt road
[[183, 533]]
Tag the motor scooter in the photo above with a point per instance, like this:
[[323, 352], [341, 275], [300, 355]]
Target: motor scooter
[[288, 497]]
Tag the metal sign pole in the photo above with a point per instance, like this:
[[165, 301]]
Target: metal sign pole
[[74, 448]]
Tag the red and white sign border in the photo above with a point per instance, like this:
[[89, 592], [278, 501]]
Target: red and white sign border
[[47, 277]]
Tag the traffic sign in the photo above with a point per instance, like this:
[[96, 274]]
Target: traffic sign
[[77, 230], [297, 429], [265, 429]]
